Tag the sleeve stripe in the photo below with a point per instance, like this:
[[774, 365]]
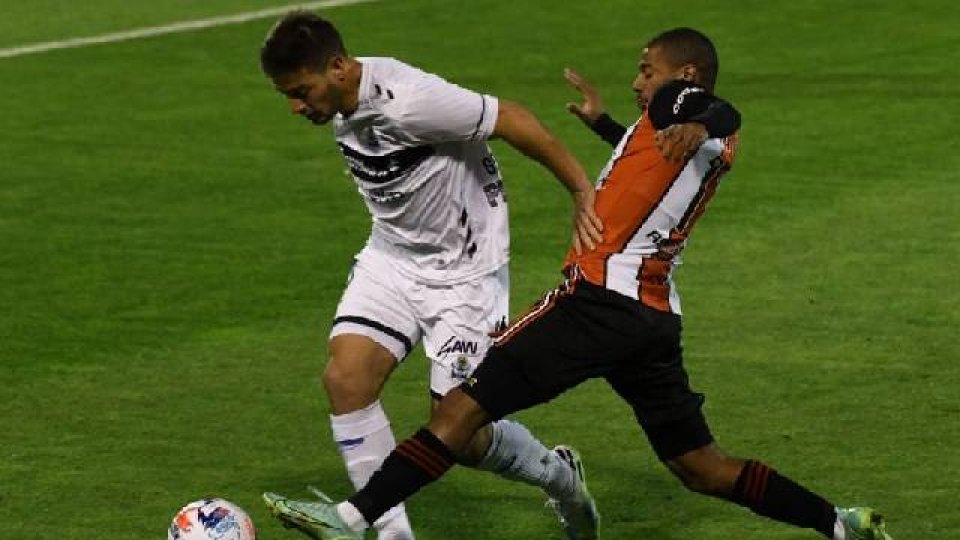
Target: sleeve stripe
[[483, 112]]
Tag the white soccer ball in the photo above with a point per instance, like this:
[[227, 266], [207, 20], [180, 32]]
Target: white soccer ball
[[211, 519]]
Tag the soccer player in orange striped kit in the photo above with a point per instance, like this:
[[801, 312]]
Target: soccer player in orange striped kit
[[617, 316]]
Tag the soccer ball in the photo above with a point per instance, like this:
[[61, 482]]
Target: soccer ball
[[211, 519]]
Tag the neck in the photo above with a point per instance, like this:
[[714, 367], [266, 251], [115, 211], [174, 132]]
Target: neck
[[351, 95]]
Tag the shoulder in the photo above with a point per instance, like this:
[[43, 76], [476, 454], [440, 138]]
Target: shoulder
[[405, 92], [390, 73], [384, 85], [392, 83]]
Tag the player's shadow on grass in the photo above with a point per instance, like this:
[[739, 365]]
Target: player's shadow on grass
[[636, 499]]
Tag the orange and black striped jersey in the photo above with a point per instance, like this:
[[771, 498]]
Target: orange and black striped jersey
[[648, 206]]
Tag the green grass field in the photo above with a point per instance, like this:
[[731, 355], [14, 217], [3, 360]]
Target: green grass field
[[173, 244]]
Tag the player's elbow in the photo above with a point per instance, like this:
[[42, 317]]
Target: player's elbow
[[521, 129], [512, 118]]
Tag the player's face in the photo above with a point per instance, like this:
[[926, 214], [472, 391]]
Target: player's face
[[655, 71], [315, 95]]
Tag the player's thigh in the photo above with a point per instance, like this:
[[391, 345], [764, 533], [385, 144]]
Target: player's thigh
[[655, 384], [374, 329], [457, 321], [554, 346]]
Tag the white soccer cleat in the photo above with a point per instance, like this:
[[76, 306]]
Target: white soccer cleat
[[577, 513]]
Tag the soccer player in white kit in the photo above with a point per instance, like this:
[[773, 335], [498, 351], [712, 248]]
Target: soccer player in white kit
[[434, 268]]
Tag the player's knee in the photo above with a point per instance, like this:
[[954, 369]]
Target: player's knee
[[457, 419], [347, 388], [705, 483], [475, 450], [707, 471]]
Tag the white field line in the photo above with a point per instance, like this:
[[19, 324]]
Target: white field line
[[184, 26]]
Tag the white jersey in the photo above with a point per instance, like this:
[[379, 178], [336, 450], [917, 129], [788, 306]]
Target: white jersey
[[416, 148]]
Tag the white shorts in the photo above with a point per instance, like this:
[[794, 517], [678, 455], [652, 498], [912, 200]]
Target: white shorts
[[454, 321]]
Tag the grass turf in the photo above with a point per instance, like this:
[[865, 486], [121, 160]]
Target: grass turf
[[174, 245]]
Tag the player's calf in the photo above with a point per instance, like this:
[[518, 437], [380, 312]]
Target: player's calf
[[756, 486]]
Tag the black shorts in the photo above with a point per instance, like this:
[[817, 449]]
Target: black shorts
[[581, 331]]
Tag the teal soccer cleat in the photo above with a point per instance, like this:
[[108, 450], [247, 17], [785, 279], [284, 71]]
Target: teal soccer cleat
[[318, 520], [863, 524], [578, 513]]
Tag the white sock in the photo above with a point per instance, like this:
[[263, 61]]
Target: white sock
[[352, 517], [839, 533], [515, 454], [365, 440]]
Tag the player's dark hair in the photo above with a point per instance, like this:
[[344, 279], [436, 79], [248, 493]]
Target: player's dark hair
[[300, 39], [689, 46]]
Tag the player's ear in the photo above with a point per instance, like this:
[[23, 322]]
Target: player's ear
[[689, 73], [337, 66]]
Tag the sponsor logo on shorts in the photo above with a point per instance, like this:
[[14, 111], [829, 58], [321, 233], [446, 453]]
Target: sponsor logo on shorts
[[458, 346]]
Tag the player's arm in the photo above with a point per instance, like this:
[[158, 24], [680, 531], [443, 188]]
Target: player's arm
[[522, 130], [685, 115], [592, 111], [713, 119], [436, 111]]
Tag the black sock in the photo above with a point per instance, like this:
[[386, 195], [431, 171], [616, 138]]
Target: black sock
[[764, 491], [414, 463]]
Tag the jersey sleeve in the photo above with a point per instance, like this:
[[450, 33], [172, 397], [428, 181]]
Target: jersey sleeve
[[608, 129], [678, 102], [437, 111]]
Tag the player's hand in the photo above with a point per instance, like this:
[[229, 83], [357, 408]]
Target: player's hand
[[592, 106], [679, 141], [587, 227]]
